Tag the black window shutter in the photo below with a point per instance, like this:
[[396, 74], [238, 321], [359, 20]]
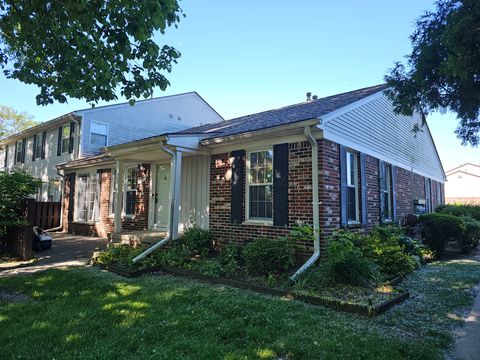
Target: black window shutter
[[59, 142], [6, 157], [71, 196], [280, 185], [363, 181], [44, 142], [24, 142], [72, 136], [343, 185], [394, 192], [237, 189], [34, 147]]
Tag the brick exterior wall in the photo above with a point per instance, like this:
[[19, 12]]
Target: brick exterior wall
[[299, 194], [408, 186], [104, 225]]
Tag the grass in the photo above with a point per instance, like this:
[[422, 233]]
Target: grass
[[86, 313]]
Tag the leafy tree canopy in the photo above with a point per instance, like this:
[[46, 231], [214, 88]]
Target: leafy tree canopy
[[87, 49], [16, 186], [12, 121], [443, 70]]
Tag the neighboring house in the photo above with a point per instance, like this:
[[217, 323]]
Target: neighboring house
[[85, 132], [463, 184], [254, 176]]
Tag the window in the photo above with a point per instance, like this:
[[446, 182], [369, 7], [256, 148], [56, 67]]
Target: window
[[38, 146], [19, 151], [98, 134], [130, 191], [386, 191], [352, 187], [260, 185], [87, 197], [65, 138]]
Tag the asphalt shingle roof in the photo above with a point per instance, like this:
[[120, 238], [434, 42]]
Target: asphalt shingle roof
[[284, 115]]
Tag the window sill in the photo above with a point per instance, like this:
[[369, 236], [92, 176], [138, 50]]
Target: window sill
[[258, 222], [354, 224], [84, 222]]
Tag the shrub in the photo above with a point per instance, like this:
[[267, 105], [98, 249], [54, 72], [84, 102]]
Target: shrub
[[439, 229], [387, 247], [197, 241], [265, 256], [471, 235], [15, 188], [346, 264], [230, 259], [121, 255], [472, 211], [208, 267]]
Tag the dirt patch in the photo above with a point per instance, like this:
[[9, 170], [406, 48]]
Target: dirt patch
[[13, 297]]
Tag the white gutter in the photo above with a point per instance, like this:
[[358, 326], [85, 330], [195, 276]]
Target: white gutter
[[315, 208], [170, 231]]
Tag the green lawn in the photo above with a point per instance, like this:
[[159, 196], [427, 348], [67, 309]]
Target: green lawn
[[91, 314]]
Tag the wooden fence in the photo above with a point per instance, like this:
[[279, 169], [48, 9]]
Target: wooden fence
[[45, 214]]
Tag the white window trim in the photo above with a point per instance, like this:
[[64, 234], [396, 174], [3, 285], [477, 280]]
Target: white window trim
[[98, 123], [113, 180], [125, 181], [38, 139], [357, 178], [19, 150], [66, 126], [248, 220]]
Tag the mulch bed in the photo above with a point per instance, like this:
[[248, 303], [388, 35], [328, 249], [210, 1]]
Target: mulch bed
[[366, 310]]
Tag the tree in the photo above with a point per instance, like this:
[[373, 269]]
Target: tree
[[443, 69], [15, 188], [12, 121], [87, 49]]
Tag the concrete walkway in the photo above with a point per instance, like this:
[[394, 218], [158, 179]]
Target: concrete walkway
[[468, 346], [67, 250]]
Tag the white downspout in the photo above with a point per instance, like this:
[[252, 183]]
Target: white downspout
[[315, 208], [170, 231]]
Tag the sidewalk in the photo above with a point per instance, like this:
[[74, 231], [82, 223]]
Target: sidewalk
[[67, 250]]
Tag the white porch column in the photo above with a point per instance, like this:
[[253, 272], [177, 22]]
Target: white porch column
[[117, 226], [175, 191]]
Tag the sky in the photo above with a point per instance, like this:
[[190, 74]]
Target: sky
[[248, 56]]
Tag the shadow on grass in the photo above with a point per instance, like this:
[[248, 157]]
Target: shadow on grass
[[89, 314]]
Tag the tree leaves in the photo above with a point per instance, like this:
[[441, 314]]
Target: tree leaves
[[443, 70], [12, 121], [87, 49]]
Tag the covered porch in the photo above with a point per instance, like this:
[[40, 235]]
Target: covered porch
[[160, 187]]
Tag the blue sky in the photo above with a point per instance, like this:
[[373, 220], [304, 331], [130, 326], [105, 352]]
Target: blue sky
[[248, 56]]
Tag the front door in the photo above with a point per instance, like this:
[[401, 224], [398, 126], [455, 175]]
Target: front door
[[162, 195]]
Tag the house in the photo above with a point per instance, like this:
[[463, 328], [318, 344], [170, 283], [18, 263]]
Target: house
[[345, 160], [84, 133], [463, 184]]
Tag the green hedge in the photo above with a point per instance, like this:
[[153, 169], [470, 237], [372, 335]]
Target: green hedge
[[472, 211], [438, 229], [265, 256]]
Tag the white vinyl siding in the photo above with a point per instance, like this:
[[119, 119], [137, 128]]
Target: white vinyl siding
[[195, 192], [374, 128]]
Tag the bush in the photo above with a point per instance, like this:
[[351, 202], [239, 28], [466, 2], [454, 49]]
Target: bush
[[439, 229], [265, 256], [346, 264], [197, 241], [472, 211], [121, 255], [471, 235], [394, 253], [230, 259]]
